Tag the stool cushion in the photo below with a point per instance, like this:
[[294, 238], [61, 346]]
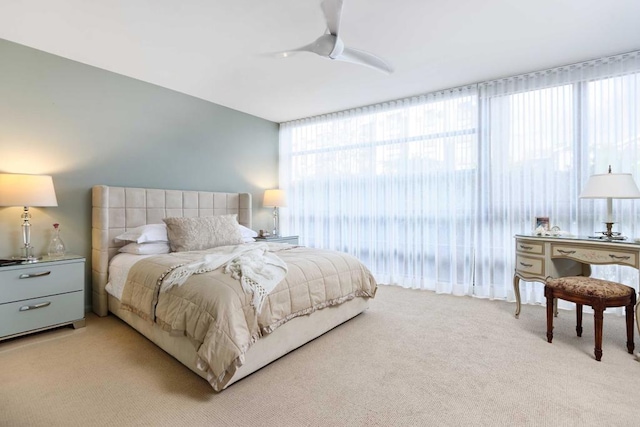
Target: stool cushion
[[589, 286]]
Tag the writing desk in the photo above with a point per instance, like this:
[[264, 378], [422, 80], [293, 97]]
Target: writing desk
[[540, 257]]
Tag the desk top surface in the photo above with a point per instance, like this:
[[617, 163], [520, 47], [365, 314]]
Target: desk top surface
[[584, 239]]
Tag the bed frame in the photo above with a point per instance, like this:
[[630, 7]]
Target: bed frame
[[118, 209]]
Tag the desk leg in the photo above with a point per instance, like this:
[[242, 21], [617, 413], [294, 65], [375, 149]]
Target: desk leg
[[638, 315], [516, 290]]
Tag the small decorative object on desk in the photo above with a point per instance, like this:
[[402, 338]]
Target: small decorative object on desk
[[541, 221], [56, 245], [554, 231]]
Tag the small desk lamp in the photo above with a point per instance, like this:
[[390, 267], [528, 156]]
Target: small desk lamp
[[277, 199], [611, 186], [27, 191]]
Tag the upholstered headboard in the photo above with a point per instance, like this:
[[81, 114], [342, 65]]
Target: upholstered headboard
[[118, 209]]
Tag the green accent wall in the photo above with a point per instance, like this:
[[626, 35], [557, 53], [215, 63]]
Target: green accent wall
[[87, 126]]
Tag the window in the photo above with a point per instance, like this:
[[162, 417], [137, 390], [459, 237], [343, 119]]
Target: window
[[429, 191]]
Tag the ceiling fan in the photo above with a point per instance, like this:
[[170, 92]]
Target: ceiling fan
[[330, 45]]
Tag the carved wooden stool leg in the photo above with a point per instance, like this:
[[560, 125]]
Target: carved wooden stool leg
[[548, 292], [629, 313], [598, 311], [579, 319]]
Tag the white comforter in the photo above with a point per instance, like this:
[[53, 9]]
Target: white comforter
[[258, 269]]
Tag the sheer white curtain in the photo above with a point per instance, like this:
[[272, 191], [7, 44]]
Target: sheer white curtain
[[529, 170], [429, 191], [544, 134], [393, 184]]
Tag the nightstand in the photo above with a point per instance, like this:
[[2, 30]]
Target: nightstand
[[292, 240], [41, 295]]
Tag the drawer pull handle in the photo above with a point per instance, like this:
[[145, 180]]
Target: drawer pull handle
[[566, 252], [32, 275], [624, 258], [526, 248], [525, 265], [33, 307]]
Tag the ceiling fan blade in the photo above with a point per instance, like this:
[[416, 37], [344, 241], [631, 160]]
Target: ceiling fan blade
[[361, 57], [290, 52], [332, 10]]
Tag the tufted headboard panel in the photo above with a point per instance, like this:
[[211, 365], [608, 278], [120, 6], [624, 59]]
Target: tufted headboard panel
[[118, 209]]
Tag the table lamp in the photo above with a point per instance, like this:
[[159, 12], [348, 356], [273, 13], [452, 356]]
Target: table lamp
[[610, 186], [27, 191], [276, 199]]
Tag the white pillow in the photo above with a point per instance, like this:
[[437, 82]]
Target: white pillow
[[248, 239], [247, 232], [153, 248], [145, 233]]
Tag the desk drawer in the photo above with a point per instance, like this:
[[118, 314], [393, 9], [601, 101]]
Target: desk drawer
[[39, 280], [529, 247], [40, 313], [595, 256], [530, 265]]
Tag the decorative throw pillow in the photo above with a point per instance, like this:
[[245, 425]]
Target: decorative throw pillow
[[152, 248], [197, 233], [145, 233]]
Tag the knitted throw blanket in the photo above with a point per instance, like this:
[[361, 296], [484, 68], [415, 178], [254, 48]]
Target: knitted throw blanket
[[258, 270]]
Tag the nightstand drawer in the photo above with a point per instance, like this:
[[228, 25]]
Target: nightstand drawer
[[292, 240], [23, 316], [37, 280]]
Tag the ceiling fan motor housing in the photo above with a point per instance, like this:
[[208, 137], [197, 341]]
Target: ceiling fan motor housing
[[328, 45]]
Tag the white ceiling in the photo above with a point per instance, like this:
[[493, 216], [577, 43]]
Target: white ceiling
[[214, 49]]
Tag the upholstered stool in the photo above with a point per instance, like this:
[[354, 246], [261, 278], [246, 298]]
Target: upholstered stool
[[599, 294]]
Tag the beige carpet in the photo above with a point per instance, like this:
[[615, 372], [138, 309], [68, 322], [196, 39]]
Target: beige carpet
[[414, 358]]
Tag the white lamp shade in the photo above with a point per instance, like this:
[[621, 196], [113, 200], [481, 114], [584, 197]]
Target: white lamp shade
[[275, 198], [611, 185], [27, 190]]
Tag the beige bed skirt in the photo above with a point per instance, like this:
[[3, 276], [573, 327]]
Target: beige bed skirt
[[286, 338]]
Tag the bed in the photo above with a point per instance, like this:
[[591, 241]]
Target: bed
[[118, 209]]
